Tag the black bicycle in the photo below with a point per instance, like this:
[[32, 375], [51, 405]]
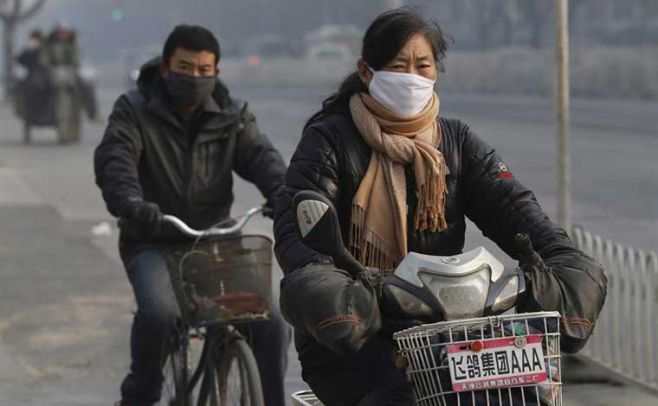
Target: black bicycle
[[221, 280]]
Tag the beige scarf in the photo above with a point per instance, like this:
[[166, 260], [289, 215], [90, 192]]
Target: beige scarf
[[378, 235]]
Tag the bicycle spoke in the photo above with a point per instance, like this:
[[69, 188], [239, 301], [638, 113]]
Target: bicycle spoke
[[235, 391], [168, 386], [195, 348], [237, 376], [172, 380], [176, 373]]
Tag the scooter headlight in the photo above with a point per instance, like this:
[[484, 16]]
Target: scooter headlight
[[508, 296], [410, 304], [461, 297]]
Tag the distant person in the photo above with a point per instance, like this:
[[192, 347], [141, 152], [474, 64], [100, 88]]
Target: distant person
[[62, 47], [32, 90], [404, 178], [62, 51], [32, 58], [171, 146]]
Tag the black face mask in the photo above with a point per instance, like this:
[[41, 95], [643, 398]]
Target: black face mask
[[189, 91]]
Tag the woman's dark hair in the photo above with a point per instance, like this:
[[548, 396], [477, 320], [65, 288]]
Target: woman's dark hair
[[192, 37], [393, 28]]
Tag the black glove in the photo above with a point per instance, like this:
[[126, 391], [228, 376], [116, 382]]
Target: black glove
[[528, 257], [146, 214], [270, 204], [532, 265], [373, 278], [268, 210]]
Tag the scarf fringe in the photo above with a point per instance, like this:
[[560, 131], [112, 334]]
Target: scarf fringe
[[430, 209], [367, 247]]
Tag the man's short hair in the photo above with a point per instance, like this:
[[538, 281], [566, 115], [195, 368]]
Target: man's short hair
[[192, 37]]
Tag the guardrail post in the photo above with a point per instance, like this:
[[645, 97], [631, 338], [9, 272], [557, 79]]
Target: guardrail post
[[626, 335]]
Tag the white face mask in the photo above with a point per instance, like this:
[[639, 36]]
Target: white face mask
[[405, 94]]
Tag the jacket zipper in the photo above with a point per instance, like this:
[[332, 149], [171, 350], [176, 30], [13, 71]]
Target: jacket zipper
[[189, 173]]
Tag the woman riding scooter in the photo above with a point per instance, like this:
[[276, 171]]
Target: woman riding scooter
[[403, 178]]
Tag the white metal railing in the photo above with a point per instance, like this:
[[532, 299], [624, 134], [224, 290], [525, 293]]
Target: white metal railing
[[625, 339]]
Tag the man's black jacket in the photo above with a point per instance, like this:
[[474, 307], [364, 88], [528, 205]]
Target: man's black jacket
[[148, 153], [332, 158]]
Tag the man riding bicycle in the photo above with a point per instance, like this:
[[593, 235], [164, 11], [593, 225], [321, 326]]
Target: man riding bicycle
[[171, 146]]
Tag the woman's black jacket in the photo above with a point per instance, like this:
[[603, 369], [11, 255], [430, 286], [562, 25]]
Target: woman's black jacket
[[332, 158]]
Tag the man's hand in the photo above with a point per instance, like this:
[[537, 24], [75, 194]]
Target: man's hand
[[270, 204], [268, 211], [147, 214]]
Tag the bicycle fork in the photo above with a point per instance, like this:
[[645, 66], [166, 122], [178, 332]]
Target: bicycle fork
[[206, 369]]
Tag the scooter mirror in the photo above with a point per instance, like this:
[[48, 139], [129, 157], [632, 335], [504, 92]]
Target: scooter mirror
[[318, 226], [317, 223]]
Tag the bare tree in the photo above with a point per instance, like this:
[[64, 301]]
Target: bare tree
[[12, 13]]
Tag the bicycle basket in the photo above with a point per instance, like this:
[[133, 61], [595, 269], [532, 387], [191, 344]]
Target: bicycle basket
[[499, 360], [222, 280]]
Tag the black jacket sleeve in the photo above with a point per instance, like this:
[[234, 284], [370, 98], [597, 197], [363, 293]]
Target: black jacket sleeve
[[319, 299], [25, 58], [256, 159], [571, 283], [116, 159], [498, 203], [312, 167]]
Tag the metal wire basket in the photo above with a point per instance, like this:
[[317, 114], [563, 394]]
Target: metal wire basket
[[498, 360], [222, 280]]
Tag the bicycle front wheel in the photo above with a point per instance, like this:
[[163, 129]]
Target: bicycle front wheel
[[238, 381], [173, 386]]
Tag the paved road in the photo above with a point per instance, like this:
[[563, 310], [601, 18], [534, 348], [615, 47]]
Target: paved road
[[65, 305]]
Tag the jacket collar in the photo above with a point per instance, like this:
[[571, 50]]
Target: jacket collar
[[210, 106]]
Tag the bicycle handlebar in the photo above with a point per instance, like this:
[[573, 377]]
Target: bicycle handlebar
[[212, 231]]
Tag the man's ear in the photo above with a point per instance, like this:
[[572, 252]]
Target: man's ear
[[162, 67]]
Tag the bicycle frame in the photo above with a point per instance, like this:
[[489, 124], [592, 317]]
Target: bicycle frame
[[216, 336]]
